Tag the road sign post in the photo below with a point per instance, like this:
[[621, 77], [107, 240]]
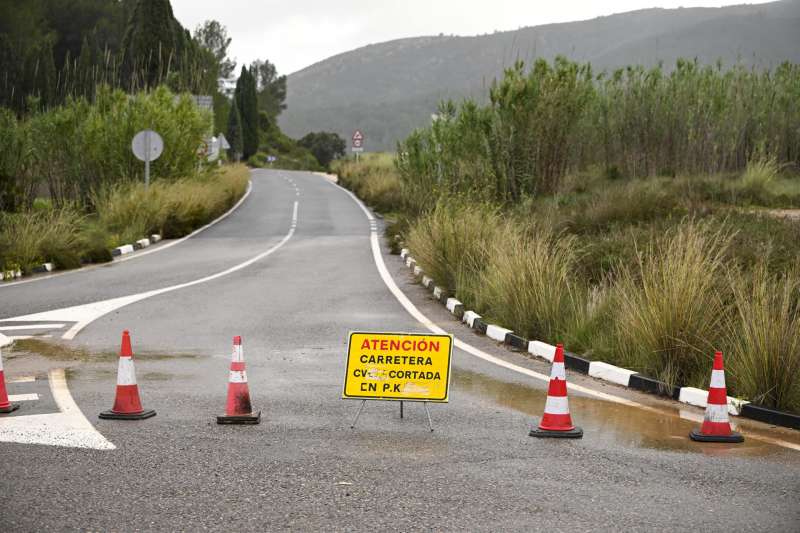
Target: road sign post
[[147, 146], [358, 143], [398, 367]]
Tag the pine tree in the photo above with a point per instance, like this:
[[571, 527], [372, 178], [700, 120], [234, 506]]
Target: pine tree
[[234, 133], [246, 100]]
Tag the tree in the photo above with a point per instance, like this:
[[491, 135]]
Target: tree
[[271, 88], [150, 45], [246, 100], [213, 36], [235, 134], [325, 146]]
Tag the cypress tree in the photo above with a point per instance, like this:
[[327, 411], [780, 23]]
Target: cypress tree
[[245, 98], [234, 133], [150, 44]]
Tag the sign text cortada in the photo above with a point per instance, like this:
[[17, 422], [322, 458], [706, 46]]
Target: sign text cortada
[[398, 366]]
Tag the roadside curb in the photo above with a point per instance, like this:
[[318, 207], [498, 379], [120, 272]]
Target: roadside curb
[[46, 268], [596, 369]]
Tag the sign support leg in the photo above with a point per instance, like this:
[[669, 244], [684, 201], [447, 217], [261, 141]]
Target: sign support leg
[[430, 423], [358, 414], [401, 408]]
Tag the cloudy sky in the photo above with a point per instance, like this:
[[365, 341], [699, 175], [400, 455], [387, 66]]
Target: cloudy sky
[[296, 34]]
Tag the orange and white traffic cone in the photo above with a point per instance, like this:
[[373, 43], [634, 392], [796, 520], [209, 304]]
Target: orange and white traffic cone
[[5, 405], [127, 405], [238, 409], [556, 421], [716, 426]]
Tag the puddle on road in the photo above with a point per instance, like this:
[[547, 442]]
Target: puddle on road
[[616, 423], [64, 352]]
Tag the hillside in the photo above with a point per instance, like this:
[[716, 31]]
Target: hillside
[[390, 88]]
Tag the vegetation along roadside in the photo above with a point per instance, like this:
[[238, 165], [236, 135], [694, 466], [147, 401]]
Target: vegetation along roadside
[[643, 217]]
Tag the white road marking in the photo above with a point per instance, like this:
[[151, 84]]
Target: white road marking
[[425, 321], [23, 397], [122, 259], [68, 428], [83, 315], [32, 326], [26, 337]]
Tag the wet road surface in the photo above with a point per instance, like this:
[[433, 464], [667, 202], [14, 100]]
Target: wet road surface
[[303, 468]]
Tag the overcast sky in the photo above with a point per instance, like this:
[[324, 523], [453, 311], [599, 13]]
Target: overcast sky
[[296, 34]]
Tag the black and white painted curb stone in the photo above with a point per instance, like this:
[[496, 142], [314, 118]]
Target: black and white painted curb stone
[[596, 369], [45, 268]]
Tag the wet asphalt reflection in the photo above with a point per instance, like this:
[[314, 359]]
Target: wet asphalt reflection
[[616, 423]]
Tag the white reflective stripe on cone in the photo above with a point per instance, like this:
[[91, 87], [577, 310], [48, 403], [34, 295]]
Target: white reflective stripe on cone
[[717, 379], [716, 413], [126, 373], [237, 356], [558, 371], [237, 376], [557, 405]]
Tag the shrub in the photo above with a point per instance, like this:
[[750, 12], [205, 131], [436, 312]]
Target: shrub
[[668, 307], [32, 238], [764, 338], [453, 244], [530, 285]]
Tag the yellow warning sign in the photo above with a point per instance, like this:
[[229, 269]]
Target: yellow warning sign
[[398, 366]]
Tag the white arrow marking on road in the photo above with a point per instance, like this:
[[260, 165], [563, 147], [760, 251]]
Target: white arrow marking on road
[[68, 428], [425, 321], [83, 315]]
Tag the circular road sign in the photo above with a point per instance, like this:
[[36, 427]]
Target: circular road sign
[[147, 145]]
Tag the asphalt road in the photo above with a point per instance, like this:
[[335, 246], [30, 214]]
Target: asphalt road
[[303, 468]]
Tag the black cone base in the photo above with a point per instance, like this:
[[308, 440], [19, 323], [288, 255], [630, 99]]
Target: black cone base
[[111, 415], [10, 409], [575, 433], [699, 437], [252, 418]]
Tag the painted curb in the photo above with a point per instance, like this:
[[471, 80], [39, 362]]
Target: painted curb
[[770, 416], [614, 374], [515, 341], [470, 317], [122, 250], [4, 341], [497, 333]]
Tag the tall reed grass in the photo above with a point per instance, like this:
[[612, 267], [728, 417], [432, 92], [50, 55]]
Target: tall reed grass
[[764, 338], [669, 307]]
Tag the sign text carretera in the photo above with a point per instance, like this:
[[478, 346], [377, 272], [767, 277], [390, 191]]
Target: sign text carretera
[[398, 366]]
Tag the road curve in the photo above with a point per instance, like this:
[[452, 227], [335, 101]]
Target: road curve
[[303, 468]]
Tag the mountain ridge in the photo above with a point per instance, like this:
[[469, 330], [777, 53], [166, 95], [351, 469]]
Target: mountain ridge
[[387, 89]]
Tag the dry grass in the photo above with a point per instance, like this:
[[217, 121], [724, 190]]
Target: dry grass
[[669, 308], [530, 283], [764, 338]]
